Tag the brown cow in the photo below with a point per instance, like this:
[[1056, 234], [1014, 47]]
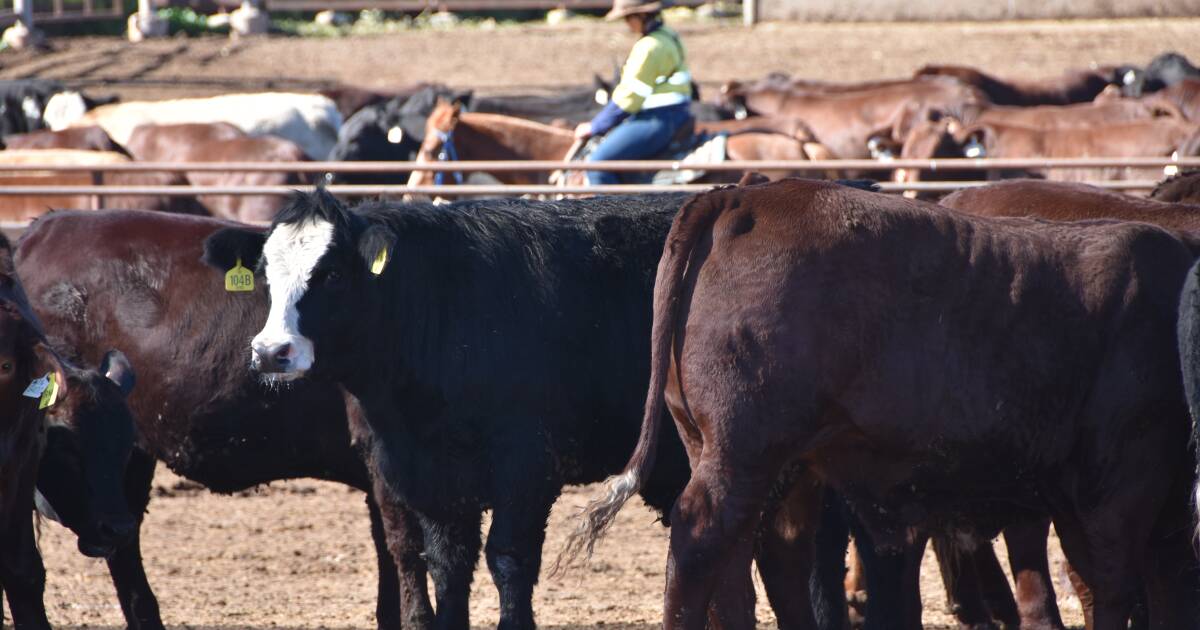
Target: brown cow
[[1074, 86], [82, 138], [1159, 137], [1184, 96], [845, 121], [1057, 201], [27, 207], [1179, 188], [946, 373], [222, 142]]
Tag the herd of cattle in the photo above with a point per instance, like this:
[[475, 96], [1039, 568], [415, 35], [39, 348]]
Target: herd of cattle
[[835, 362], [941, 111]]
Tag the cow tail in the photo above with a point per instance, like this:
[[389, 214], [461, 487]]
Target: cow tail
[[689, 224], [1189, 355]]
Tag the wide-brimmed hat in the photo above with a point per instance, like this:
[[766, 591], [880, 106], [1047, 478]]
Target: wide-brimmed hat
[[622, 8]]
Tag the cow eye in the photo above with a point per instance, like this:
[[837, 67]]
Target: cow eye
[[326, 277], [7, 366]]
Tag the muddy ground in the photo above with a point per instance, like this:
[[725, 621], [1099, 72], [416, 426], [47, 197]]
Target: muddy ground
[[298, 554]]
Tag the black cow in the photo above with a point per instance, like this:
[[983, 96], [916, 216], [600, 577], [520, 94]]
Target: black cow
[[135, 280], [498, 349], [1162, 72], [394, 130], [71, 435], [23, 103]]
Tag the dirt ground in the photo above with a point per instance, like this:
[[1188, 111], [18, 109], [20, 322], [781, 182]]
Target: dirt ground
[[521, 58], [298, 554]]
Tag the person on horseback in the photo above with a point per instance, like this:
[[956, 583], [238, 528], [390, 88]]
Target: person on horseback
[[651, 104]]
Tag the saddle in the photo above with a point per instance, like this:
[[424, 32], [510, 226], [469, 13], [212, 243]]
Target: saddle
[[686, 147]]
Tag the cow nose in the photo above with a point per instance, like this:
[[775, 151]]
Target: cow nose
[[274, 358]]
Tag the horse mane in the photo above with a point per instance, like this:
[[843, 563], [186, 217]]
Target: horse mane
[[511, 121]]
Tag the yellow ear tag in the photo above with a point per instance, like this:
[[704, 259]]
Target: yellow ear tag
[[239, 278], [51, 393], [380, 262]]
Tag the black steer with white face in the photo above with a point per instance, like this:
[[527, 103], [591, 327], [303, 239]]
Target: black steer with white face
[[498, 349]]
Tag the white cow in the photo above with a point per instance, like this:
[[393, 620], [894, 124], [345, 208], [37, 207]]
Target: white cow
[[310, 120]]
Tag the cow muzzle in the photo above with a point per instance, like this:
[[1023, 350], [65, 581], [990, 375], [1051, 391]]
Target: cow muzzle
[[286, 359]]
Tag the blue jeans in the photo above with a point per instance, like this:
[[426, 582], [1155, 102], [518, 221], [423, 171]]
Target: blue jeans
[[642, 136]]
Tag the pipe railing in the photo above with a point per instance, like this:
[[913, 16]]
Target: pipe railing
[[949, 164], [353, 190]]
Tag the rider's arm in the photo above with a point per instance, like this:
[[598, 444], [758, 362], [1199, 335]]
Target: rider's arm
[[648, 61]]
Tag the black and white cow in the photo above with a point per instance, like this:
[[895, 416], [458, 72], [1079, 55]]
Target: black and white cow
[[498, 350]]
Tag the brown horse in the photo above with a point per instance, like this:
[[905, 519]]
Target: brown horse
[[476, 136]]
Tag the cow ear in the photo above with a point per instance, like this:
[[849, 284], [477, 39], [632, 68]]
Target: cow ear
[[225, 247], [117, 368], [376, 246], [47, 361]]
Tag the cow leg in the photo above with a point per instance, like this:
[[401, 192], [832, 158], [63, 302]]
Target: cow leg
[[1084, 594], [22, 572], [1171, 570], [785, 553], [451, 550], [523, 491], [403, 595], [1036, 600], [964, 593], [712, 534], [993, 586], [1108, 570], [826, 586], [387, 602], [893, 579], [125, 566]]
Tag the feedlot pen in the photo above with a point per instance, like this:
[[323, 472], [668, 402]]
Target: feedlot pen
[[298, 554]]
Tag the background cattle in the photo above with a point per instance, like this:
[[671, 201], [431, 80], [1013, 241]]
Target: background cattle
[[26, 207], [309, 120], [1075, 86], [79, 138], [222, 142]]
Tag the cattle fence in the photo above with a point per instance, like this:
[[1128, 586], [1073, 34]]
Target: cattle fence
[[931, 170], [58, 11]]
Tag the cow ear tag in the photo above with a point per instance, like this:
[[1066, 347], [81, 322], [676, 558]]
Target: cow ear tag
[[380, 261], [45, 389], [239, 278]]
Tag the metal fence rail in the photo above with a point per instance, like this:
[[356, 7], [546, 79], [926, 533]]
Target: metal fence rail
[[936, 165], [955, 164]]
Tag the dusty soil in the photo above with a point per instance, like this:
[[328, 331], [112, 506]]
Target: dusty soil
[[520, 58], [298, 554]]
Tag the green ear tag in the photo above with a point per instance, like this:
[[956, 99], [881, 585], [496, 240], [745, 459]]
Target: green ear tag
[[380, 262], [239, 278], [51, 393]]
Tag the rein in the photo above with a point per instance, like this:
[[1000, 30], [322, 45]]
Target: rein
[[447, 154]]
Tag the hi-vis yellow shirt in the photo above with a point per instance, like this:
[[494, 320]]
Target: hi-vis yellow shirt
[[655, 75]]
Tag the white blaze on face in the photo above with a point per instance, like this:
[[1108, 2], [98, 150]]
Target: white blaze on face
[[63, 109], [291, 252]]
